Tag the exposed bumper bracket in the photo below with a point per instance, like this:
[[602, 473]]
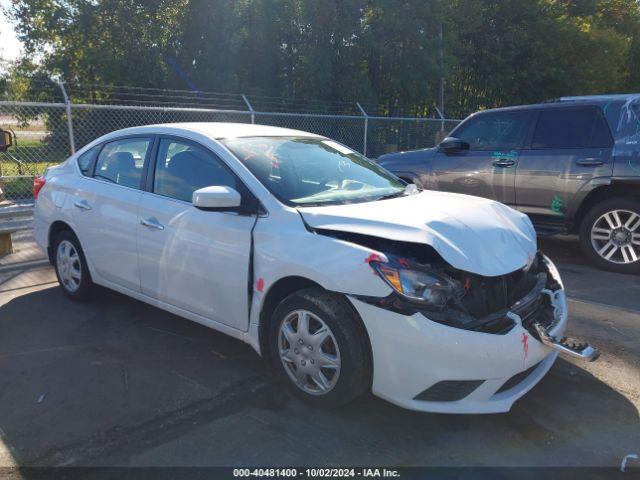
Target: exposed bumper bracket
[[583, 351]]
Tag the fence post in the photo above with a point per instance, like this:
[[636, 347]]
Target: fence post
[[67, 103], [366, 128], [441, 118], [253, 115]]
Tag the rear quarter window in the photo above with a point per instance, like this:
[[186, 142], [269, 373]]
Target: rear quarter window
[[88, 159]]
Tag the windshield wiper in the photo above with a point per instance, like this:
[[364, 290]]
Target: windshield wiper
[[391, 195], [410, 189]]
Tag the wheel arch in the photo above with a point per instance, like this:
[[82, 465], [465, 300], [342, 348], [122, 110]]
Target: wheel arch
[[281, 289], [617, 188], [54, 230]]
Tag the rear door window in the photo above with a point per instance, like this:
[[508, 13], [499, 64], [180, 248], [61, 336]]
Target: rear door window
[[570, 128], [494, 131], [121, 162], [601, 136]]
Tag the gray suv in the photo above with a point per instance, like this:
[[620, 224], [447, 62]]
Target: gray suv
[[572, 165]]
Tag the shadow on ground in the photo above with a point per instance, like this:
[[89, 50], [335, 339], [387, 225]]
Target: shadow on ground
[[117, 382]]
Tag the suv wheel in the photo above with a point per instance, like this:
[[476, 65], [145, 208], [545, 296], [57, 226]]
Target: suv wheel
[[610, 235], [71, 267], [319, 349]]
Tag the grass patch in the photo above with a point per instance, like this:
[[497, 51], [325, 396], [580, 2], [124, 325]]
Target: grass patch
[[12, 169], [30, 157]]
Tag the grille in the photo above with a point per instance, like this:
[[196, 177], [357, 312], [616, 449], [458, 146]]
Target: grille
[[516, 379], [449, 390]]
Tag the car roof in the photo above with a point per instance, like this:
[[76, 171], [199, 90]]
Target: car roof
[[586, 100], [218, 130]]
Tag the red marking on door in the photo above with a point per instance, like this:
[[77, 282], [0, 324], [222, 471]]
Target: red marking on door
[[374, 257], [260, 285], [525, 346]]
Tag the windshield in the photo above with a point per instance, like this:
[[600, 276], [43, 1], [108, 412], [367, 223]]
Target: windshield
[[303, 171]]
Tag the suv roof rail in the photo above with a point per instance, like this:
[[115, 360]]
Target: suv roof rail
[[611, 96]]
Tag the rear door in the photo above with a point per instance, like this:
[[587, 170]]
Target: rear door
[[105, 209], [568, 148], [193, 259], [487, 169]]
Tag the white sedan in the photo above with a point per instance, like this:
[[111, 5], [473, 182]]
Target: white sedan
[[345, 277]]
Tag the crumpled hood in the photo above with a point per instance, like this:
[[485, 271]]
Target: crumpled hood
[[471, 233]]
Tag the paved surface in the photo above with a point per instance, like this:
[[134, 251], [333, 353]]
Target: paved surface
[[24, 250], [117, 382]]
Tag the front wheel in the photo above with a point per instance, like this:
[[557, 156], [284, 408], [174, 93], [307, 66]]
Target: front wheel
[[610, 235], [319, 347]]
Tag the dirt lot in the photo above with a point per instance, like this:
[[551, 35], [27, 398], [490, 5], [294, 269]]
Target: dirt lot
[[117, 382]]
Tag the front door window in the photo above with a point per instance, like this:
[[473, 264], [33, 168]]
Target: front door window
[[183, 168]]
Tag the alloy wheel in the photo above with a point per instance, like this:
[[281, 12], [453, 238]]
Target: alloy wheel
[[615, 236], [68, 266], [309, 352]]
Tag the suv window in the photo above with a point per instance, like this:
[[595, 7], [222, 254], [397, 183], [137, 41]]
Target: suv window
[[86, 160], [493, 131], [182, 168], [570, 128], [121, 161], [601, 136]]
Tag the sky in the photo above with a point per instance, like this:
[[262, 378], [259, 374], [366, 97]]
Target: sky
[[10, 47]]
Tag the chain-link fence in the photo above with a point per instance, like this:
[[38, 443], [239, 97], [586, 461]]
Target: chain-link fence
[[46, 133], [41, 139]]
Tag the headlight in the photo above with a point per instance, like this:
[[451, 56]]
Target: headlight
[[428, 288], [553, 270]]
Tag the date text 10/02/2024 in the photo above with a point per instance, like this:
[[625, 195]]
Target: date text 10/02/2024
[[317, 472]]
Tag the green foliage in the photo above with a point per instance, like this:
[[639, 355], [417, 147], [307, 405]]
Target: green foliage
[[384, 52]]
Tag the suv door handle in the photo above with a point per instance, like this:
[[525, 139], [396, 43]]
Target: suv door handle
[[589, 162], [82, 204], [504, 162], [151, 222]]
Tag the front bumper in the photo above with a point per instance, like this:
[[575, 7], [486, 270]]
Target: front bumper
[[413, 355]]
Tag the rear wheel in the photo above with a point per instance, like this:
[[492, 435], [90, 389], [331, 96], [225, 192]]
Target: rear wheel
[[71, 267], [319, 347], [610, 235]]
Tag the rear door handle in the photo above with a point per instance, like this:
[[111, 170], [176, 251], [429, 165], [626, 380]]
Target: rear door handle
[[82, 204], [504, 162], [589, 162], [152, 222]]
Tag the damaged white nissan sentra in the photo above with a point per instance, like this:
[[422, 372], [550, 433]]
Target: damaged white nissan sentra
[[342, 274]]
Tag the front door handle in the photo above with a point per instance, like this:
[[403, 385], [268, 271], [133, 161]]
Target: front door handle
[[82, 205], [589, 162], [152, 222], [504, 162]]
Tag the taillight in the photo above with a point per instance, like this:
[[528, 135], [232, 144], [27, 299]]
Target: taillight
[[38, 183]]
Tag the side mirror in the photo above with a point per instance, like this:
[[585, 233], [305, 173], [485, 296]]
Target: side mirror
[[452, 144], [216, 198], [6, 140]]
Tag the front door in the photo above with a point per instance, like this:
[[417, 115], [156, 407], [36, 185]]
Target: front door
[[569, 147], [105, 210], [193, 259], [487, 169]]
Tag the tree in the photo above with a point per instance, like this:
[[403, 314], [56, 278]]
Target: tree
[[387, 53]]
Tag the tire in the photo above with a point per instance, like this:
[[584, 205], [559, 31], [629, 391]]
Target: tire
[[599, 239], [71, 267], [345, 345]]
